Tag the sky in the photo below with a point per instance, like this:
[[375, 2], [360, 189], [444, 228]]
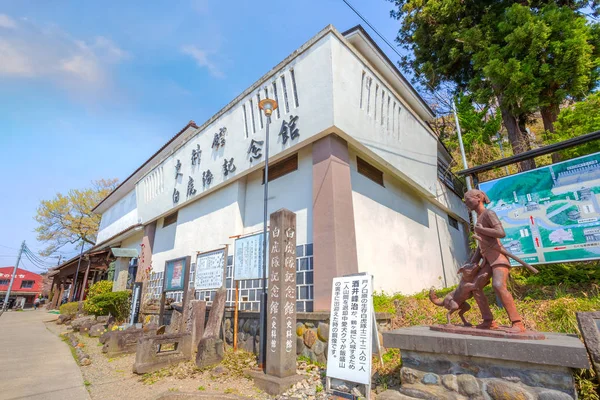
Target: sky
[[90, 90]]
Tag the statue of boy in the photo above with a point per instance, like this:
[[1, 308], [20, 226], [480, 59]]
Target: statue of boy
[[488, 231]]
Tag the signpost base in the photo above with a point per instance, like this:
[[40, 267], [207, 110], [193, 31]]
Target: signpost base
[[273, 384]]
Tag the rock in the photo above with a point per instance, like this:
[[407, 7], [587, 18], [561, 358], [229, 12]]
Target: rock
[[176, 323], [299, 345], [161, 330], [249, 344], [427, 392], [323, 332], [430, 379], [76, 323], [450, 382], [63, 318], [96, 330], [246, 327], [318, 347], [468, 385], [104, 337], [548, 394], [85, 362], [322, 359], [502, 390], [409, 375], [86, 326], [150, 327], [227, 324], [229, 337], [104, 319], [309, 324], [310, 337], [219, 370], [356, 392], [300, 329]]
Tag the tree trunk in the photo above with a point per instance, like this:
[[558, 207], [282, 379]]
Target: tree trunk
[[518, 138], [549, 117]]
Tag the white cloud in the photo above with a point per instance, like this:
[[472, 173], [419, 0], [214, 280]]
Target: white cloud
[[201, 58], [7, 22], [45, 52]]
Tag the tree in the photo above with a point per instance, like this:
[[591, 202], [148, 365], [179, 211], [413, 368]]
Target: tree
[[520, 56], [68, 219], [581, 118]]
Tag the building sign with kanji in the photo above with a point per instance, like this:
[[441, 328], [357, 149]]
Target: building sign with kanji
[[351, 329], [210, 269]]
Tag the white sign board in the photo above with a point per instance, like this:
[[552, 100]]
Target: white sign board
[[351, 329], [210, 270], [248, 257]]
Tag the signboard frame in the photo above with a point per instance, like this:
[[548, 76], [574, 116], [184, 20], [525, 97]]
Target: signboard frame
[[236, 261], [200, 254], [185, 270], [547, 224]]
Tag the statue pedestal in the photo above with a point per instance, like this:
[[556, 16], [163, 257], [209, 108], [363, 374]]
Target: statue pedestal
[[454, 366]]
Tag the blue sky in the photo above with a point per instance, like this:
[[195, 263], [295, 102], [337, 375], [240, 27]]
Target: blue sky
[[90, 90]]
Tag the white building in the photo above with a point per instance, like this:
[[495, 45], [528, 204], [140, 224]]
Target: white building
[[351, 153]]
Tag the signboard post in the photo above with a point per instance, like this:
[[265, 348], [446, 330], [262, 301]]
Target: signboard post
[[177, 277], [550, 214], [135, 302], [351, 330]]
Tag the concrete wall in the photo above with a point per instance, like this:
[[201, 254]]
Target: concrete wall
[[119, 217], [400, 138], [313, 76], [402, 238]]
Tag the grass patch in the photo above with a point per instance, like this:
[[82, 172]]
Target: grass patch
[[309, 361], [201, 388], [87, 383]]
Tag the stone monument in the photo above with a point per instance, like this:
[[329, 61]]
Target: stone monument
[[281, 307]]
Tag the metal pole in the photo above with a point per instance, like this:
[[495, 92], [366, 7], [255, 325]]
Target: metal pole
[[12, 278], [462, 153], [263, 295], [74, 284]]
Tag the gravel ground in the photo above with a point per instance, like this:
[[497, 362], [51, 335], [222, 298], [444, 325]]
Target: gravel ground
[[112, 378]]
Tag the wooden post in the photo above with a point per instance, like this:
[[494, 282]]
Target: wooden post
[[235, 317], [85, 279]]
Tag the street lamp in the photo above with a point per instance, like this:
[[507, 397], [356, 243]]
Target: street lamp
[[268, 106]]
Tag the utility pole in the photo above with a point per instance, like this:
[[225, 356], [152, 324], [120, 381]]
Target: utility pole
[[464, 157], [12, 278]]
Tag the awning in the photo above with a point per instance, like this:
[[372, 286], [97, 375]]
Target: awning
[[120, 252]]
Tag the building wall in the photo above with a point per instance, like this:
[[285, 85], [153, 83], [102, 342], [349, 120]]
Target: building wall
[[394, 133], [310, 101], [402, 238], [118, 217]]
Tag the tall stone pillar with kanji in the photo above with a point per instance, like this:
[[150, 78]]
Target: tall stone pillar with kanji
[[281, 305]]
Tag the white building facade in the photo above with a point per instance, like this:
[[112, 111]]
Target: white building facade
[[351, 153]]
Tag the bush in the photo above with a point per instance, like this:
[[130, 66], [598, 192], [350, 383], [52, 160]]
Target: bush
[[115, 303], [69, 308], [99, 287]]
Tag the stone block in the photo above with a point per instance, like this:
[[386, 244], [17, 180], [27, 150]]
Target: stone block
[[430, 392], [553, 395], [159, 351], [300, 329], [468, 385], [318, 348], [76, 323], [450, 382], [86, 326], [63, 318], [409, 375], [430, 379], [274, 385], [323, 331], [393, 395], [210, 352], [299, 345], [120, 342]]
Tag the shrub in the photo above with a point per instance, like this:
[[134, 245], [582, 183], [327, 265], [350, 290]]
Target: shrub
[[69, 308], [115, 303], [99, 287]]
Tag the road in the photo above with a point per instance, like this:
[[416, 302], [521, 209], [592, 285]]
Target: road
[[35, 363]]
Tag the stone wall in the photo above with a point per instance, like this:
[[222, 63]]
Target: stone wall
[[312, 332]]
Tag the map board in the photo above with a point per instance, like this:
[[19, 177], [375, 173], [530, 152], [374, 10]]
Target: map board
[[248, 257], [351, 330], [550, 214], [210, 268]]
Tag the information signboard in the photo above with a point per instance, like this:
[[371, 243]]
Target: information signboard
[[351, 329], [175, 271], [550, 214], [248, 257], [210, 268]]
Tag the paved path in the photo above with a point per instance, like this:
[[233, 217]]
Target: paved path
[[35, 363]]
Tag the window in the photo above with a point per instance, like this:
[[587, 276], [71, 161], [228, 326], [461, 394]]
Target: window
[[282, 168], [26, 284], [4, 282], [366, 169], [170, 219], [453, 222]]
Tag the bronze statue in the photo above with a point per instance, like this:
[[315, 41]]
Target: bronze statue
[[490, 260]]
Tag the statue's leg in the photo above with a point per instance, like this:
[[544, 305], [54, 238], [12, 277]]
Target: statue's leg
[[464, 307], [481, 300], [500, 278]]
